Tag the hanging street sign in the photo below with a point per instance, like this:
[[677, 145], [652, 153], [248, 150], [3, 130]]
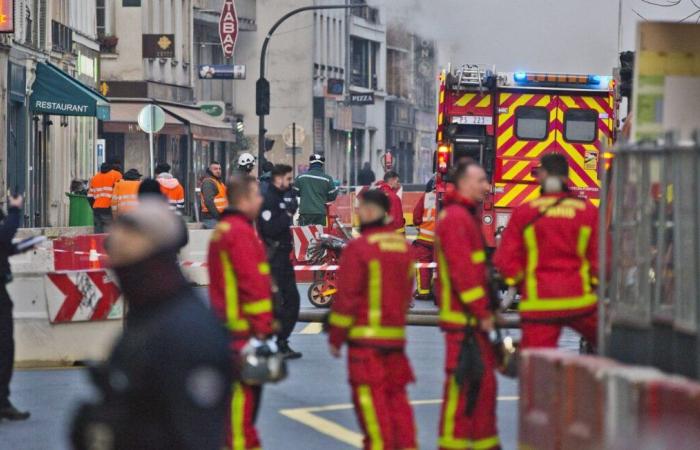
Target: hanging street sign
[[222, 72], [362, 98], [228, 28]]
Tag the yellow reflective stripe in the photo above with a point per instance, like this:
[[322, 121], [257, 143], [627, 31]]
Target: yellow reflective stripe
[[448, 427], [258, 307], [479, 257], [237, 417], [532, 260], [374, 430], [233, 320], [264, 268], [472, 295], [533, 303], [557, 304], [485, 444], [595, 281], [375, 294], [340, 320], [512, 281], [377, 333], [446, 313], [584, 237]]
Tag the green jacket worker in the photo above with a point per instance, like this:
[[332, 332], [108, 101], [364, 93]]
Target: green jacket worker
[[314, 189]]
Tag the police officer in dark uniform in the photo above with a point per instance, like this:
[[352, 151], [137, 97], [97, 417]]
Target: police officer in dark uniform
[[8, 228], [167, 381], [273, 224]]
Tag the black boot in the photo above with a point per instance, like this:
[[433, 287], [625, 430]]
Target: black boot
[[287, 351], [9, 412]]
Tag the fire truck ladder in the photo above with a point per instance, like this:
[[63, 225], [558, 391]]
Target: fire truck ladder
[[471, 76]]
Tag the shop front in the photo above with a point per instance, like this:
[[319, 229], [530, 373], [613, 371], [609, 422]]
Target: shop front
[[189, 141], [55, 97]]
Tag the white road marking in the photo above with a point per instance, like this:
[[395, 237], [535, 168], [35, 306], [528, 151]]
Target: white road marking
[[307, 416], [312, 328]]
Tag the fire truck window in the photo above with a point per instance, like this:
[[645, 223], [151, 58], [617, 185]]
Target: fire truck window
[[531, 123], [580, 125]]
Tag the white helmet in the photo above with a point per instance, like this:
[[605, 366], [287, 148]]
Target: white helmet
[[246, 162]]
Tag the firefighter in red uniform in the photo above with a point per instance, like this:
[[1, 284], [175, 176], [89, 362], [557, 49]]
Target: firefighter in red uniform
[[464, 313], [425, 218], [374, 293], [240, 294], [549, 250], [390, 186]]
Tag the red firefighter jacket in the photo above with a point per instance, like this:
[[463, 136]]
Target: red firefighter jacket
[[375, 283], [553, 259], [239, 274], [396, 208], [461, 256]]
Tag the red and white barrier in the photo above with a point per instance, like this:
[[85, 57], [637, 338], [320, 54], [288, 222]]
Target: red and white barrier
[[79, 296], [570, 402]]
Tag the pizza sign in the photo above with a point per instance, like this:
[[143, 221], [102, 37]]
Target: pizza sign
[[228, 28]]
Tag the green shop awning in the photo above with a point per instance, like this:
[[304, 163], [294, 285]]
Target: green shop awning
[[57, 93]]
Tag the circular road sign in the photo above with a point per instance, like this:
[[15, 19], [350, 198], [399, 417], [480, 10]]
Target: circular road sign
[[151, 118], [300, 136]]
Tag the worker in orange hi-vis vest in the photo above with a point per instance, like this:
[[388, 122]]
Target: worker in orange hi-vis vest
[[213, 198], [375, 280], [100, 195], [170, 187], [125, 194]]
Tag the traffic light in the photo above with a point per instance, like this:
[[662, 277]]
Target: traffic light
[[626, 73], [262, 97], [240, 126]]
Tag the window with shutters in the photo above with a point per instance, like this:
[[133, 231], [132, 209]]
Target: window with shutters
[[101, 17]]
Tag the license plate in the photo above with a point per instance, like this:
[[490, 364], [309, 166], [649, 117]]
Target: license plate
[[473, 120]]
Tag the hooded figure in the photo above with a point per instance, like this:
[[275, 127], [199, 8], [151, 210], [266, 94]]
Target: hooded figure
[[185, 376]]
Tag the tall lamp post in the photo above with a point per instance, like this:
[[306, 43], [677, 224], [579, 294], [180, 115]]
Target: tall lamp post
[[262, 87]]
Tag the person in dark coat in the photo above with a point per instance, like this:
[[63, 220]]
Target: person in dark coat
[[365, 176], [167, 381], [8, 229], [274, 227]]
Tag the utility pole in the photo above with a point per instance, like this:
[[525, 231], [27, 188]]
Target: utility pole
[[262, 87], [348, 144]]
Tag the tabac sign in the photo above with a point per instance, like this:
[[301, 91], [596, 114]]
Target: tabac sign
[[228, 28], [7, 16]]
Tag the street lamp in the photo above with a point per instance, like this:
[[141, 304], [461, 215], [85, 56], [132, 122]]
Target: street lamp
[[262, 87]]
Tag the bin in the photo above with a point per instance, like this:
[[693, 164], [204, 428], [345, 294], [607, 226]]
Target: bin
[[79, 212]]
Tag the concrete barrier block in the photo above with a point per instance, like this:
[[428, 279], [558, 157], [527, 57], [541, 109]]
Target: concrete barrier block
[[541, 390], [584, 402]]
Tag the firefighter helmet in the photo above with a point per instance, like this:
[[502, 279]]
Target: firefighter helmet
[[261, 362], [317, 159], [246, 162]]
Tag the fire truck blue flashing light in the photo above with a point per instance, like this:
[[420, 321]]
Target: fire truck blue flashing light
[[520, 76]]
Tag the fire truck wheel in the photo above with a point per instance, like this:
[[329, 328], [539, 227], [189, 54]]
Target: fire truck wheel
[[321, 294]]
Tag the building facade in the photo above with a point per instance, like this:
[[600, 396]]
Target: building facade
[[46, 149], [411, 103], [148, 58], [307, 64]]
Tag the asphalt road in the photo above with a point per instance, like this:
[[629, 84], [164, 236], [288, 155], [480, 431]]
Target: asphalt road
[[308, 411]]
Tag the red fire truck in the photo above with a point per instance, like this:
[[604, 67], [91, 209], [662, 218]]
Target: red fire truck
[[506, 121]]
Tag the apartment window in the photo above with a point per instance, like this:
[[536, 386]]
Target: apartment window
[[370, 14], [364, 62], [131, 2], [397, 73], [61, 37], [101, 17]]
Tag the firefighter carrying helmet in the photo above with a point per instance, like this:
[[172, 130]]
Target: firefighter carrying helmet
[[246, 162]]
